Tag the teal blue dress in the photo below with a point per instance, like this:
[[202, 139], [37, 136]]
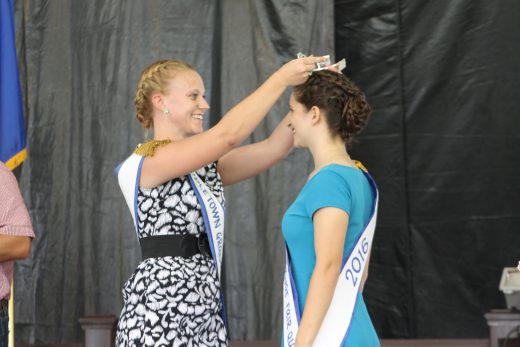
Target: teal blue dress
[[346, 188]]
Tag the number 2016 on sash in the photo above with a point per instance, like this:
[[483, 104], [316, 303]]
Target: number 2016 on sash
[[354, 268]]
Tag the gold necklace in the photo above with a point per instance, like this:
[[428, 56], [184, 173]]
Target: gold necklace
[[148, 148]]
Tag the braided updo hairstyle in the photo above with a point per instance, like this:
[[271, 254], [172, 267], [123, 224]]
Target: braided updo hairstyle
[[155, 78], [347, 110]]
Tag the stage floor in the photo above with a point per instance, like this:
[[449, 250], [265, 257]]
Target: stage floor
[[384, 343]]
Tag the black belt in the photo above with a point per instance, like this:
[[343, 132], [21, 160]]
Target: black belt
[[174, 246]]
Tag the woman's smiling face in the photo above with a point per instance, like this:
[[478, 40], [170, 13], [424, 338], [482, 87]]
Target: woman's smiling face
[[186, 103]]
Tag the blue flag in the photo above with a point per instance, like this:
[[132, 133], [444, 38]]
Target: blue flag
[[12, 129]]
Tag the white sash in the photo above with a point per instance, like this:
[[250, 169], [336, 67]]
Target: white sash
[[335, 326], [291, 309], [128, 174], [213, 213]]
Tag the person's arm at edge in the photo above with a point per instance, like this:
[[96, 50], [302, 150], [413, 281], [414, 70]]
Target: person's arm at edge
[[16, 231], [14, 247]]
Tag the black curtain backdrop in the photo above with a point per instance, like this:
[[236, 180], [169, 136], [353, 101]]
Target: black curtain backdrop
[[442, 144]]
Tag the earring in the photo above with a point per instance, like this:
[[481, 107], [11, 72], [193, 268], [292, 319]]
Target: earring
[[166, 110]]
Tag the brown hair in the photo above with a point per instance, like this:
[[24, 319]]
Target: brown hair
[[346, 108], [155, 78]]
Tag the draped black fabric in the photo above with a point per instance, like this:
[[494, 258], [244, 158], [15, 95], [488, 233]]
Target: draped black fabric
[[367, 33], [443, 145], [442, 77]]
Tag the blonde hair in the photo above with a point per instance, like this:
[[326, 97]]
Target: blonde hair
[[155, 78]]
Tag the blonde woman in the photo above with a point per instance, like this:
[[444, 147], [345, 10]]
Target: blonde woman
[[173, 186]]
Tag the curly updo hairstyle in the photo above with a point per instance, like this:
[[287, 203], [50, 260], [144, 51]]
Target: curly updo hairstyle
[[347, 110], [155, 78]]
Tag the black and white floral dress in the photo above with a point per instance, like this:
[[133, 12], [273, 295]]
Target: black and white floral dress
[[173, 301]]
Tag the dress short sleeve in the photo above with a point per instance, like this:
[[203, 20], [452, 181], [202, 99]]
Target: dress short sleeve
[[328, 189]]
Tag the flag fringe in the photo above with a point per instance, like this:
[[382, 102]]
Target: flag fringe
[[16, 159]]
